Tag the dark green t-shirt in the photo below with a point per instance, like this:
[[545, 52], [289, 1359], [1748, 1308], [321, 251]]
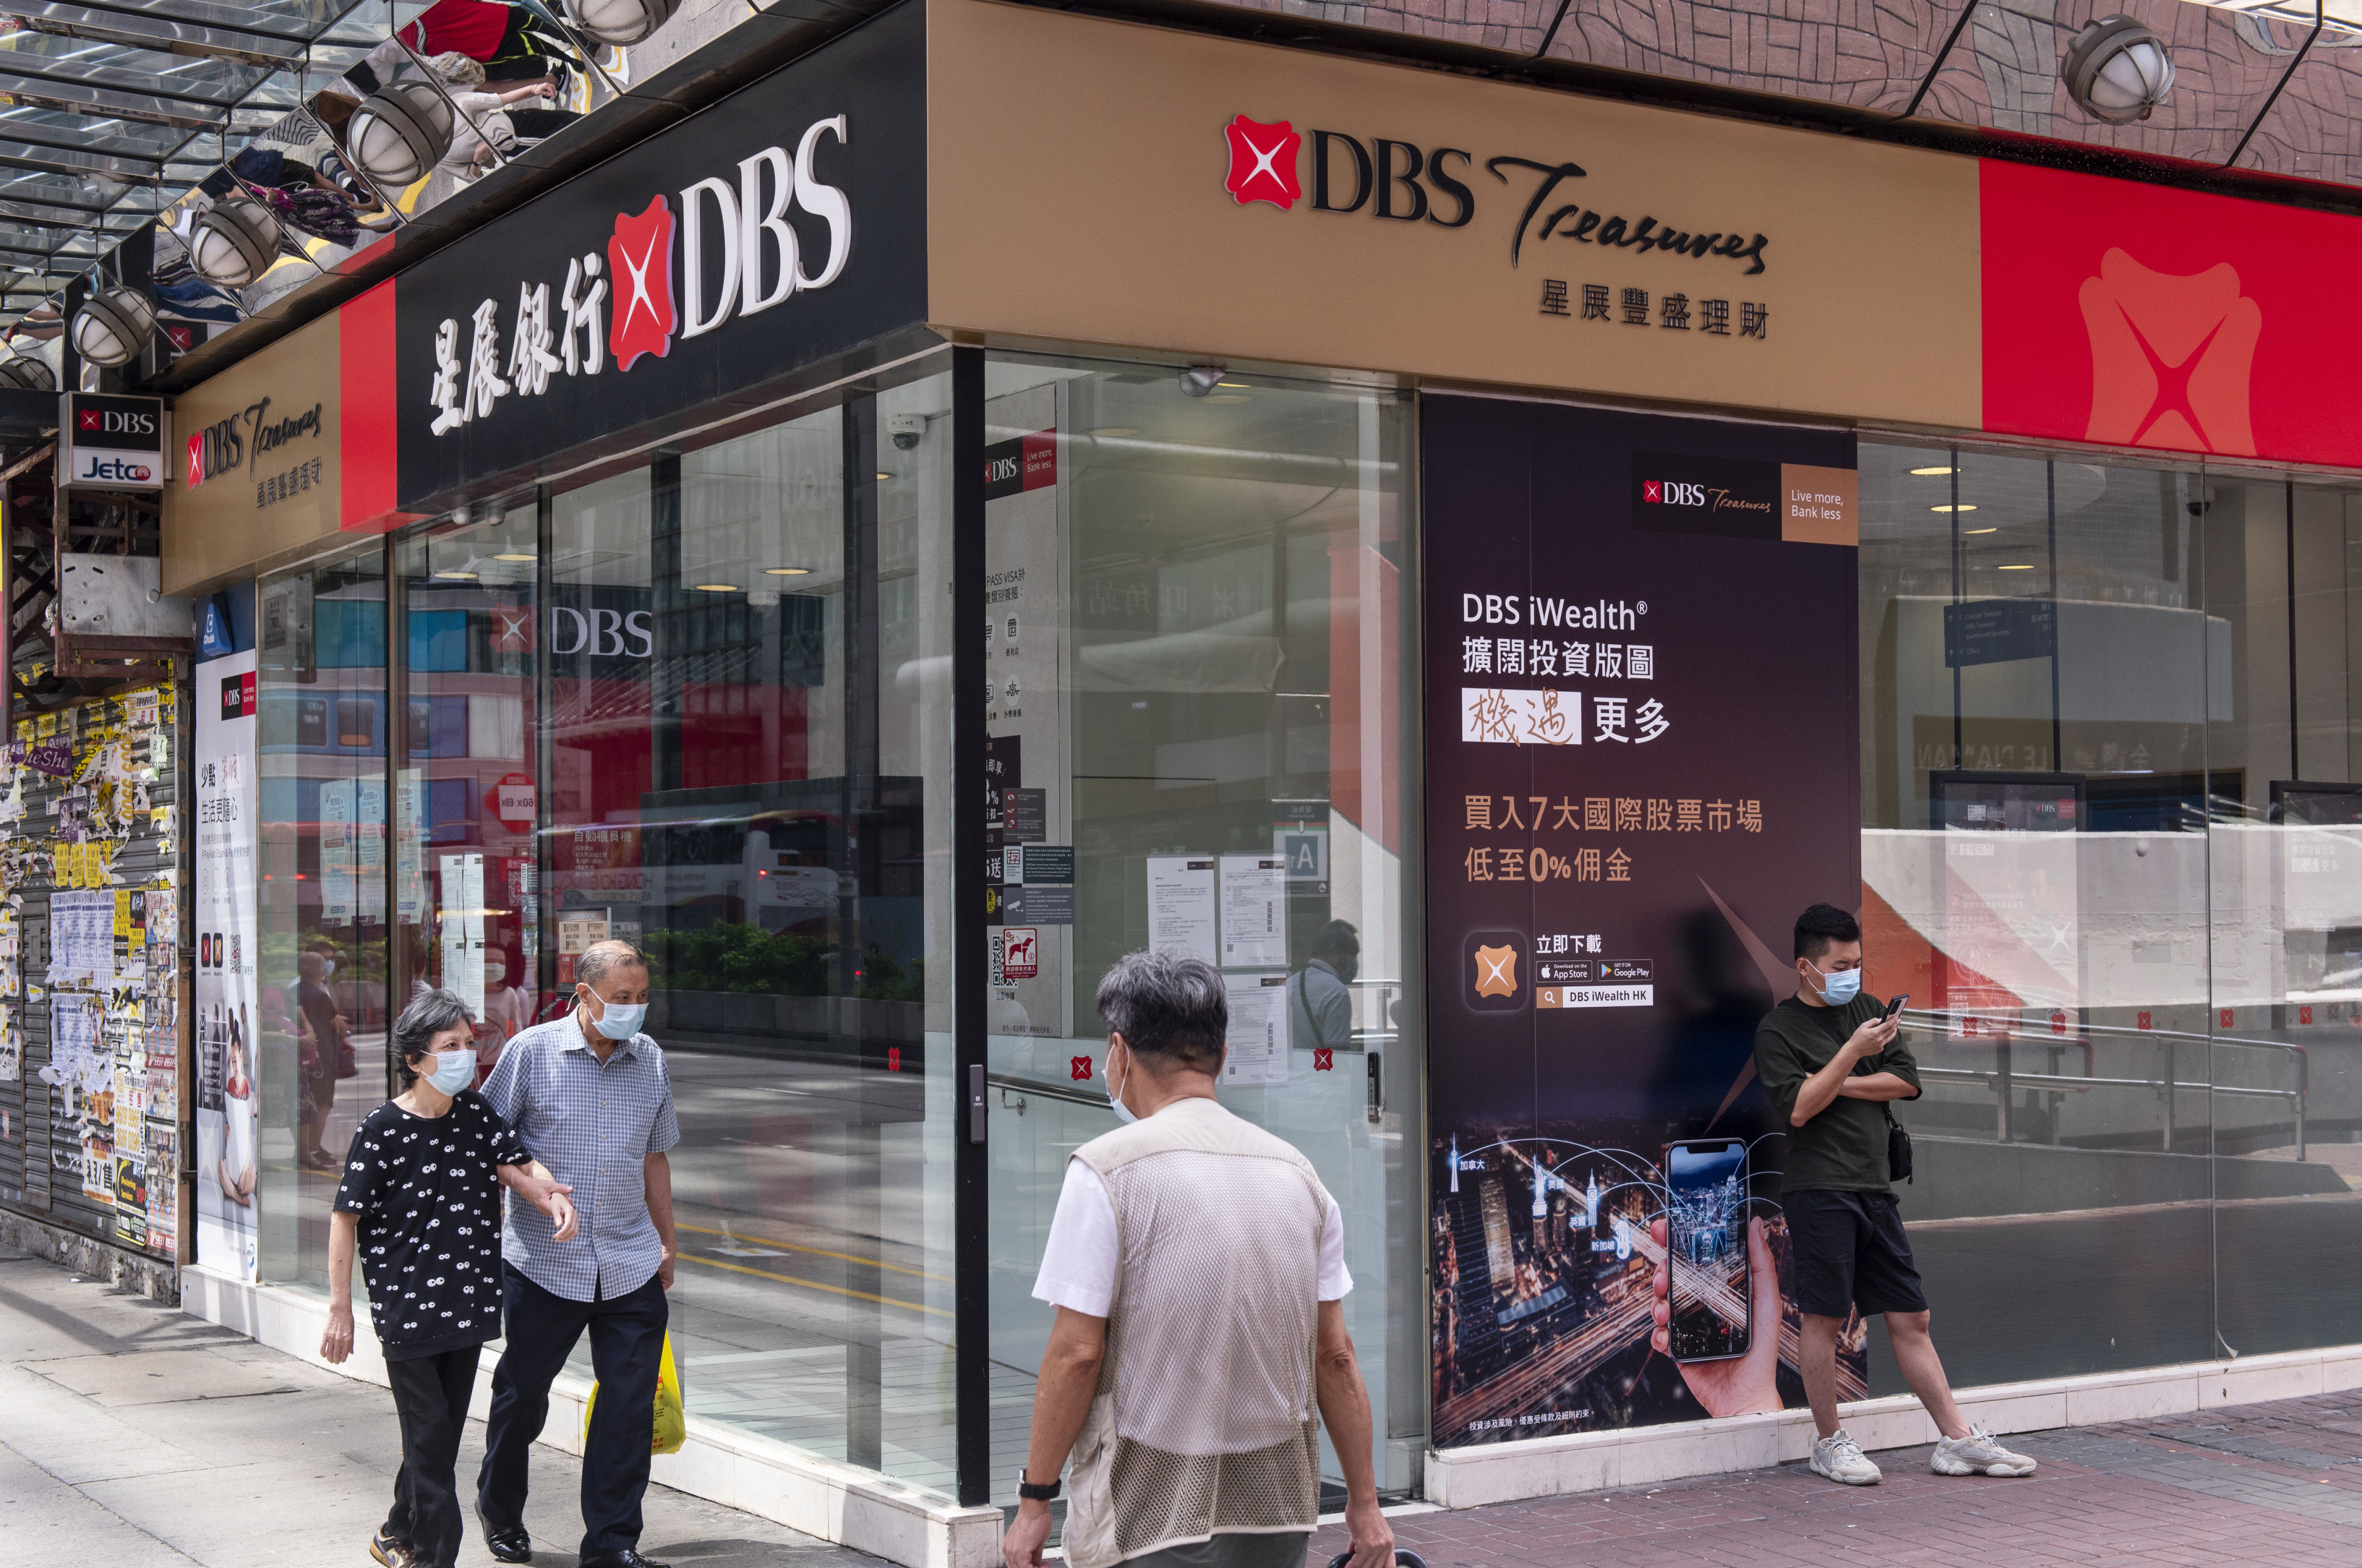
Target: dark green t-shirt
[[1844, 1148]]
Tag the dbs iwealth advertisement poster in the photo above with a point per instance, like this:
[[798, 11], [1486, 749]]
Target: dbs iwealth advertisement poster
[[1641, 766]]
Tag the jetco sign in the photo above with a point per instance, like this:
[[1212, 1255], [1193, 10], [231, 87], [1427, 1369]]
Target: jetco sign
[[782, 227], [1404, 182], [111, 442], [761, 266]]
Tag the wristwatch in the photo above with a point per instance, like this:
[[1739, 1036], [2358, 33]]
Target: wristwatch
[[1037, 1494]]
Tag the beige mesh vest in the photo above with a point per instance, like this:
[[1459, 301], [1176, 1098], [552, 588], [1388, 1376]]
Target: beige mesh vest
[[1205, 1421]]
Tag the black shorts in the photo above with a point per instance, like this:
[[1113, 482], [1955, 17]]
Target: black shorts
[[1849, 1251]]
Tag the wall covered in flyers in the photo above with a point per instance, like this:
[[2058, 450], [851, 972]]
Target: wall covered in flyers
[[90, 999], [1642, 764]]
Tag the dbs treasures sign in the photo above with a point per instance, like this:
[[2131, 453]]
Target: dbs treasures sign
[[1235, 200], [782, 226], [1627, 803]]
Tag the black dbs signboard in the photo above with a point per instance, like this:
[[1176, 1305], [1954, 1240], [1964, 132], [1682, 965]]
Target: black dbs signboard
[[781, 225], [1642, 764]]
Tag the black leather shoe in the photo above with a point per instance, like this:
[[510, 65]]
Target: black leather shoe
[[628, 1558], [510, 1545]]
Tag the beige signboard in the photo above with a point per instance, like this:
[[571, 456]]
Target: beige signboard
[[1098, 181], [254, 477]]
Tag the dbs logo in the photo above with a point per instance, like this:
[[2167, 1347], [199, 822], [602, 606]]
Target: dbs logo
[[2173, 358], [639, 258], [1262, 162]]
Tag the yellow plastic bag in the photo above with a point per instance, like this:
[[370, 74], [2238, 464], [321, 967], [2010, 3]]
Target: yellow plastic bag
[[672, 1420]]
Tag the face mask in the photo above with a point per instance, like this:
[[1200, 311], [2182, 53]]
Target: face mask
[[1347, 969], [620, 1021], [1841, 987], [327, 967], [1115, 1103], [454, 1070]]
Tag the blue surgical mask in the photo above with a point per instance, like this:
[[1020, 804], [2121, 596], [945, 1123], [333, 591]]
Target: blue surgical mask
[[1115, 1101], [1841, 987], [454, 1070], [621, 1020]]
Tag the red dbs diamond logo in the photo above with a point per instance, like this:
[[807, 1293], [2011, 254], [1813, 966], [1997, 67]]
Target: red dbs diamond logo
[[196, 461], [2173, 358], [90, 419], [1652, 490], [639, 259], [1262, 162]]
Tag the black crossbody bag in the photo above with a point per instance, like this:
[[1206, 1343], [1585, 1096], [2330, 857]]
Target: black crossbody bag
[[1898, 1138]]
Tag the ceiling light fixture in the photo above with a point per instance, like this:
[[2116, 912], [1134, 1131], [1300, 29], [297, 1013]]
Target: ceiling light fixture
[[458, 576], [513, 558], [235, 242], [27, 374], [1963, 507], [716, 587], [114, 326], [787, 571], [400, 132], [2022, 565], [620, 21], [1967, 532], [2117, 70], [1931, 470], [1199, 380]]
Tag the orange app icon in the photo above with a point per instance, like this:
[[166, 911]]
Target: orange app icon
[[1496, 971], [2172, 358]]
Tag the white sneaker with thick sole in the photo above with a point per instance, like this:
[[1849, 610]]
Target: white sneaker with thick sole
[[1977, 1454], [1839, 1458]]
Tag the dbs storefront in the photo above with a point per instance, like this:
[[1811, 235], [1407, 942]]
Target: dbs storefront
[[1471, 561]]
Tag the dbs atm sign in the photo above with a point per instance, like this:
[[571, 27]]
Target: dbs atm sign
[[111, 442], [2137, 315]]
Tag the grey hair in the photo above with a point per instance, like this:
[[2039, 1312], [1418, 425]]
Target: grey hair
[[601, 958], [465, 71], [428, 1015], [1170, 1010]]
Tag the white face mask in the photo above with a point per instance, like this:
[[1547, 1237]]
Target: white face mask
[[1115, 1099]]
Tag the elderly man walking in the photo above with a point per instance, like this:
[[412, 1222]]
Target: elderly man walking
[[589, 1096], [1197, 1267]]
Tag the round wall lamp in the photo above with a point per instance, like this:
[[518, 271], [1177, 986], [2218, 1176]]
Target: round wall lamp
[[620, 21], [400, 132], [27, 374], [235, 242], [114, 326], [2117, 70]]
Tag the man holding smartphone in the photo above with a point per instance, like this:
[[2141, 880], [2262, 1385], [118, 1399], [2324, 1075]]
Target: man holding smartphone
[[1832, 1059]]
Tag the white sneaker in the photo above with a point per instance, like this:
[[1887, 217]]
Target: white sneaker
[[1977, 1454], [1839, 1458]]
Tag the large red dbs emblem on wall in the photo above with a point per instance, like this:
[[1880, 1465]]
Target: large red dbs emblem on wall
[[2139, 315], [2172, 358], [1262, 162], [640, 317]]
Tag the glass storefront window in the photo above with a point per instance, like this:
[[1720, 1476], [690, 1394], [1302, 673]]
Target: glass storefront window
[[2106, 806], [466, 864], [748, 740], [320, 642], [1198, 707]]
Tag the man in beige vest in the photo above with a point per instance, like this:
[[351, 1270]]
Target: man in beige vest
[[1198, 1268]]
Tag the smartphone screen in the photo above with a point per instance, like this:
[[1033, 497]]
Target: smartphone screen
[[1706, 1248]]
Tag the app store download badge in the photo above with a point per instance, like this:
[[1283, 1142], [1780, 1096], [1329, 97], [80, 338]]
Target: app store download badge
[[1494, 966]]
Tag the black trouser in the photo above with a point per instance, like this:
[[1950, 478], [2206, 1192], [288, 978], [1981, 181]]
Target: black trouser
[[626, 1345], [430, 1396]]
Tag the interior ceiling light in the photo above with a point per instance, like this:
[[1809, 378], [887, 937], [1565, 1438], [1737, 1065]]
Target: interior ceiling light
[[2117, 70], [1964, 506], [400, 132], [114, 326], [1970, 531], [787, 571], [513, 558], [27, 374], [1931, 470], [2022, 565], [235, 242], [716, 587], [457, 575], [620, 21]]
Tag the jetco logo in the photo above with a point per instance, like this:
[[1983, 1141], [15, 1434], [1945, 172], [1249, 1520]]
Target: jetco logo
[[739, 229], [1490, 965], [1389, 178], [2173, 358], [97, 468], [1672, 492], [1262, 162]]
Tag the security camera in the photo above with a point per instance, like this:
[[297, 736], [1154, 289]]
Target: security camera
[[907, 430], [1199, 380]]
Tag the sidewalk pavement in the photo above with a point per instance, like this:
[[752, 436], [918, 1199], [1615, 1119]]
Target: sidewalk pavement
[[2276, 1485], [135, 1436], [132, 1435]]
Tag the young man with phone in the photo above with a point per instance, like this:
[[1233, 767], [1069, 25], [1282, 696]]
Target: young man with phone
[[1833, 1059]]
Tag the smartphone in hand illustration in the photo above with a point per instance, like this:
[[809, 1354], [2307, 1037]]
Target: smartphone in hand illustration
[[1894, 1007], [1710, 1286]]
